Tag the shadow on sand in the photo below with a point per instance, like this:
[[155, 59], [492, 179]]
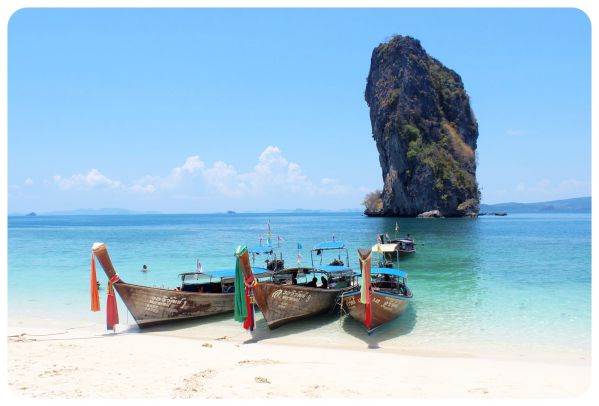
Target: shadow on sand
[[401, 326], [262, 332], [183, 324]]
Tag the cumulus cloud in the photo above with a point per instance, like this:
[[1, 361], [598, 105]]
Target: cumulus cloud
[[191, 164], [28, 182], [273, 174], [91, 180]]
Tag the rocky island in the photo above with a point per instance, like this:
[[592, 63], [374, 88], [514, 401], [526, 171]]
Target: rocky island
[[425, 132]]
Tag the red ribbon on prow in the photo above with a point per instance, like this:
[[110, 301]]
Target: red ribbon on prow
[[249, 322], [95, 297], [112, 312]]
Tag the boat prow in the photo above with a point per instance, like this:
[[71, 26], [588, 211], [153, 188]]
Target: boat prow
[[388, 297], [151, 306]]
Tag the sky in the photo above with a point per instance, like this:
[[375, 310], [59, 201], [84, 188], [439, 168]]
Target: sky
[[204, 110]]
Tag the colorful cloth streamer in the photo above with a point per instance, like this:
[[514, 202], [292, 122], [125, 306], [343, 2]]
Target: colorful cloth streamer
[[365, 264], [112, 311], [244, 308], [95, 297]]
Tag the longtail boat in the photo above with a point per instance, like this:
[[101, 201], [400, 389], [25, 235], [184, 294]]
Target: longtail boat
[[200, 294], [383, 294], [301, 292], [395, 248]]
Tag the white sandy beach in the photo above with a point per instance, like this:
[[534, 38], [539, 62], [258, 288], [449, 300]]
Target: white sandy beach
[[55, 361]]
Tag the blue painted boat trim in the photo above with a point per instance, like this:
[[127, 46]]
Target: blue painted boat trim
[[354, 292]]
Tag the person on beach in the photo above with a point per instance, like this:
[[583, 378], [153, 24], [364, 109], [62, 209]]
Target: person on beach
[[144, 268]]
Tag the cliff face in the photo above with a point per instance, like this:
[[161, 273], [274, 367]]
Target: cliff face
[[425, 132]]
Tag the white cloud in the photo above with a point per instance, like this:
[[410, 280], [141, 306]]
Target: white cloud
[[28, 182], [191, 164], [91, 180], [272, 176]]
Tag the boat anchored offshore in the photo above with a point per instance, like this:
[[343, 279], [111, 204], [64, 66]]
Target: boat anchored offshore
[[383, 294], [396, 248], [200, 294], [300, 292]]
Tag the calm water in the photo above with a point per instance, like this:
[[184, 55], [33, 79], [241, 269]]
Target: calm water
[[521, 278]]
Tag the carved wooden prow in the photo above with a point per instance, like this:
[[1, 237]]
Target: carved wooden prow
[[101, 253], [246, 267]]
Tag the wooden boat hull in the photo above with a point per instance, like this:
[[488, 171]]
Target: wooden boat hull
[[154, 306], [282, 304], [399, 253], [384, 307]]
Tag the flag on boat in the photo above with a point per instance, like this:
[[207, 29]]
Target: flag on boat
[[396, 227], [199, 266], [299, 246], [260, 238], [269, 235]]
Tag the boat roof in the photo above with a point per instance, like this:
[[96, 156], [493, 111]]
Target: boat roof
[[405, 240], [384, 247], [329, 245], [224, 273], [333, 268], [389, 271], [260, 249]]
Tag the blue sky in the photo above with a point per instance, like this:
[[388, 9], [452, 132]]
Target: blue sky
[[201, 110]]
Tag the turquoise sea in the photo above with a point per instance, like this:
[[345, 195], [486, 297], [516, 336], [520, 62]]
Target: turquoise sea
[[523, 279]]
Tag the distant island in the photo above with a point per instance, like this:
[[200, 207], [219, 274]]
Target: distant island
[[575, 205]]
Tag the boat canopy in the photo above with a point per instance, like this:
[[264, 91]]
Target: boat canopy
[[261, 249], [329, 245], [384, 247], [333, 268], [221, 274], [389, 271]]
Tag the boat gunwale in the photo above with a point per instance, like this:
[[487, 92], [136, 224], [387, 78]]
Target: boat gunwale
[[375, 292], [178, 292]]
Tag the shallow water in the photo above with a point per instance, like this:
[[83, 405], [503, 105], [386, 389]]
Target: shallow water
[[500, 281]]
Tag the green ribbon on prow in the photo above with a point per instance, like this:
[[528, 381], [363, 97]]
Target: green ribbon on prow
[[240, 309]]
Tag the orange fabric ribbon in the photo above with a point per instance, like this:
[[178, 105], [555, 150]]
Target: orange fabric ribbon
[[112, 311], [95, 297]]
